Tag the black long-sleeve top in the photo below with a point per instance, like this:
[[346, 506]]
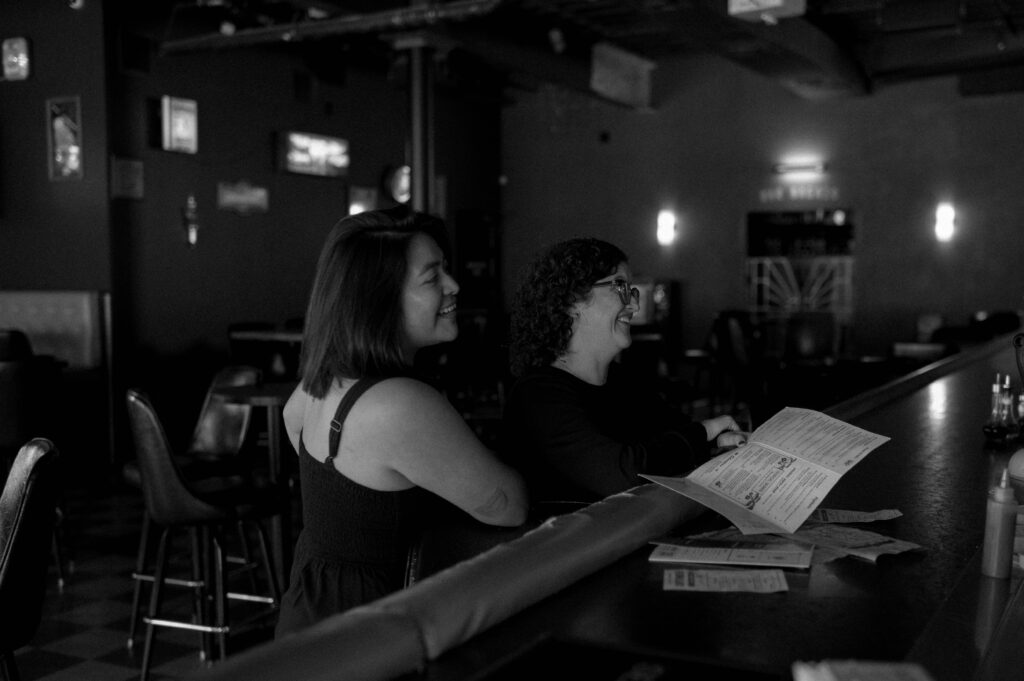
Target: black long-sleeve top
[[574, 441]]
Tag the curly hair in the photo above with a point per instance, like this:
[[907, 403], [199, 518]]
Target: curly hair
[[541, 322]]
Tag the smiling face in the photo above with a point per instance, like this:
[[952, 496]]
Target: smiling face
[[428, 298], [601, 328]]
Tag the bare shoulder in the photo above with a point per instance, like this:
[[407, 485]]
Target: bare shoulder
[[405, 397], [403, 417]]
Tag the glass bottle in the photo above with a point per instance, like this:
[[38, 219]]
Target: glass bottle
[[995, 427], [1008, 409]]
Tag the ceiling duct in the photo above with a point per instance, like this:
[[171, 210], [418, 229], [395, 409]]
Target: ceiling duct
[[766, 11], [400, 19]]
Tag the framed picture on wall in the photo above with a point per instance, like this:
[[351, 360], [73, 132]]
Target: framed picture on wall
[[179, 124], [64, 137]]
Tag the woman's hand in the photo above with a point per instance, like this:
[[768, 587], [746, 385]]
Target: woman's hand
[[724, 431]]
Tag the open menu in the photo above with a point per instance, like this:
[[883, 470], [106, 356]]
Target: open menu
[[777, 479]]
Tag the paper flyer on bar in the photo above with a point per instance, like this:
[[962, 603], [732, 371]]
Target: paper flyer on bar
[[776, 480]]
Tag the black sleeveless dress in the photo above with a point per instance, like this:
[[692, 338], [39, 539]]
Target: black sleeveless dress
[[354, 541]]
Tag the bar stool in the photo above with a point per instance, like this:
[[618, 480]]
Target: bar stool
[[211, 464], [27, 500], [173, 505]]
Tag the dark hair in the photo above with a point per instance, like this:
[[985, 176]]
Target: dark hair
[[541, 323], [354, 318]]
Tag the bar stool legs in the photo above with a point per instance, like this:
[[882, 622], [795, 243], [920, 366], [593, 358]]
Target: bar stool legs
[[211, 595], [138, 577], [141, 575]]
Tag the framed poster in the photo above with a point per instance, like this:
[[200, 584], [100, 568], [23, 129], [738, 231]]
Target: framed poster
[[64, 137], [179, 124]]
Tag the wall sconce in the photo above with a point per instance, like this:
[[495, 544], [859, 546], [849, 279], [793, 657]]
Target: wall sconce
[[667, 222], [945, 221], [15, 58], [810, 168], [398, 183], [190, 219]]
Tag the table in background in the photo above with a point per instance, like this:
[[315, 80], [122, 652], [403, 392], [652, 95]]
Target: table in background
[[274, 350], [272, 397]]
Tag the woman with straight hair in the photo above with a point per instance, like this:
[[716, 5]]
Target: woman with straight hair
[[379, 450], [580, 428]]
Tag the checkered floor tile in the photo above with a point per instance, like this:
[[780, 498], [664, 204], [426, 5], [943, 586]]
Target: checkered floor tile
[[84, 629]]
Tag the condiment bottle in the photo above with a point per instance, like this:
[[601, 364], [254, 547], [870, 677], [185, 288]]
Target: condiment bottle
[[1000, 520]]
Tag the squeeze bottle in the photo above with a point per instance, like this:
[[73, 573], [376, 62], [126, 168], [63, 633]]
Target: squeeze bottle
[[1000, 519]]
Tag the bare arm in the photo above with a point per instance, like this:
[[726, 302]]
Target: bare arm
[[415, 432]]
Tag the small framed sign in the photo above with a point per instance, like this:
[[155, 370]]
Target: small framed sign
[[179, 120], [242, 197], [64, 137], [126, 178]]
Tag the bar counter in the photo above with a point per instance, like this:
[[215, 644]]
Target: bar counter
[[476, 621]]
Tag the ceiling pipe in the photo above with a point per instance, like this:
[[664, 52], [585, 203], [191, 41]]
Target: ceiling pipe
[[401, 19]]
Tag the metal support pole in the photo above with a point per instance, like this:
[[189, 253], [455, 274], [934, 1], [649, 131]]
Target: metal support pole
[[421, 91]]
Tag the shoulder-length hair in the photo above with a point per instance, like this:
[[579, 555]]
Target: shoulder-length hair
[[541, 319], [354, 319]]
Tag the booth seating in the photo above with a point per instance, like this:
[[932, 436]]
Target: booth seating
[[72, 329], [27, 382], [400, 633]]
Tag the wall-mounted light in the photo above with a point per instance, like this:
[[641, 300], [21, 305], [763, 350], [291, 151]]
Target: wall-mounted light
[[398, 183], [810, 167], [190, 220], [667, 222], [945, 221]]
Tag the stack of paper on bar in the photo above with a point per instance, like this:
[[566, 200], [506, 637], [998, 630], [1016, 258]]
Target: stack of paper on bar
[[726, 552], [776, 480]]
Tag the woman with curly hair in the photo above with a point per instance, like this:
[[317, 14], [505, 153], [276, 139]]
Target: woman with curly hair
[[580, 428]]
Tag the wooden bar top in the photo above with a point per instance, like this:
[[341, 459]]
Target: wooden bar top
[[932, 607]]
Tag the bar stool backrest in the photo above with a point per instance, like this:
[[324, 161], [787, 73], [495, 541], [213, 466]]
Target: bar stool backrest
[[28, 511], [168, 499], [222, 426]]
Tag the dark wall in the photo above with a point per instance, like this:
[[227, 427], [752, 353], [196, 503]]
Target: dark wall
[[53, 234], [578, 166], [259, 266], [177, 301], [173, 303]]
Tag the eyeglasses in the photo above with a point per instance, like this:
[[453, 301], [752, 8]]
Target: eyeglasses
[[626, 292]]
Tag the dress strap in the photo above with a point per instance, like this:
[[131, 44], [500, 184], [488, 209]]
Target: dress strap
[[353, 394]]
